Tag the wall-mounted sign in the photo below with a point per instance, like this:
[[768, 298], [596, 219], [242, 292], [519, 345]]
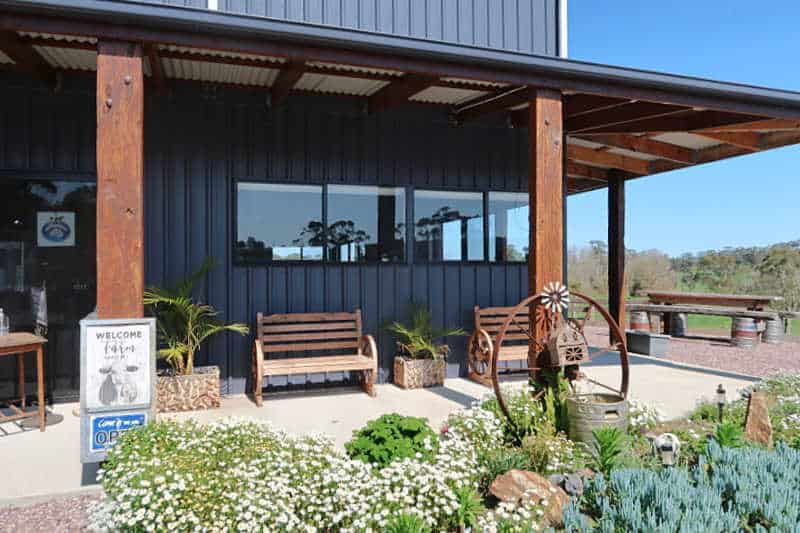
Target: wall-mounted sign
[[118, 369], [55, 228]]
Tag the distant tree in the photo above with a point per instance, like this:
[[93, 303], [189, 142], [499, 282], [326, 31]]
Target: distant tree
[[780, 272]]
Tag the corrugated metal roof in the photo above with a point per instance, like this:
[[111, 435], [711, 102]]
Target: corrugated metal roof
[[68, 58], [477, 83], [4, 59], [218, 53], [218, 72], [446, 95], [687, 140], [55, 37], [349, 68], [323, 83]]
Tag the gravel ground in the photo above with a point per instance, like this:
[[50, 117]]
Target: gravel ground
[[60, 515], [717, 352]]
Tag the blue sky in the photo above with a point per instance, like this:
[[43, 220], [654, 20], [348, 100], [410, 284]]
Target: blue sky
[[744, 201]]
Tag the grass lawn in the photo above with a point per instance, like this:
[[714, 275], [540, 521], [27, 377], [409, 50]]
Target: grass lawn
[[723, 324]]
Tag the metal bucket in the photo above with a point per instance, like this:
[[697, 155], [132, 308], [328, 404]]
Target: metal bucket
[[773, 332], [588, 412], [640, 321], [678, 325], [745, 332]]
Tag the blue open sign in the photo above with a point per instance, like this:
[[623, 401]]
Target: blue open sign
[[106, 429]]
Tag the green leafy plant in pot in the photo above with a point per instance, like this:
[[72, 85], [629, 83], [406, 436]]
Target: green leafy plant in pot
[[183, 326], [420, 358]]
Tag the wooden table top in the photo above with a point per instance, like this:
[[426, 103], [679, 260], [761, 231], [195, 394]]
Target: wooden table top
[[20, 338], [734, 300]]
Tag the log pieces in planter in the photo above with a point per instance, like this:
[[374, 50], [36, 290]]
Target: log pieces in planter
[[417, 373], [192, 392]]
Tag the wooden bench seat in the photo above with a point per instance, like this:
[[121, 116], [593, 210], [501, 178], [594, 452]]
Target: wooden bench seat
[[310, 343], [488, 321]]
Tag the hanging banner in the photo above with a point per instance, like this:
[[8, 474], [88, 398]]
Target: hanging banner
[[118, 372]]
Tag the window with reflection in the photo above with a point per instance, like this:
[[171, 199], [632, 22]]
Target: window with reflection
[[366, 224], [278, 222], [508, 227], [448, 226]]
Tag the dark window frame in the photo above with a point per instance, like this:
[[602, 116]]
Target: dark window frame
[[410, 258]]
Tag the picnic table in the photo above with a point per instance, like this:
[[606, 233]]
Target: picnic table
[[747, 301]]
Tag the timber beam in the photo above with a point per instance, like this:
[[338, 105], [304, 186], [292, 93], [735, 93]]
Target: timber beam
[[25, 57], [646, 145], [398, 92], [586, 172], [285, 82], [608, 159], [156, 68], [687, 120], [619, 115], [616, 250], [494, 103]]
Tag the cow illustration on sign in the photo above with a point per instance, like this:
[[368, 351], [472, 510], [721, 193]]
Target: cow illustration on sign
[[119, 365]]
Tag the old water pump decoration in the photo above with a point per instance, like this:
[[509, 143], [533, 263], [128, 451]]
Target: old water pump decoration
[[556, 339]]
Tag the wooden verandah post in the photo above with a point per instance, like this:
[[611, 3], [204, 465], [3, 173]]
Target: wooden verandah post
[[616, 249], [546, 192], [120, 180]]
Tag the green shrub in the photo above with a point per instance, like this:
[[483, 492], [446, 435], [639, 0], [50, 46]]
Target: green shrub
[[729, 489], [607, 448], [554, 454], [407, 523], [526, 411], [499, 461], [469, 508], [419, 338], [729, 435], [392, 437]]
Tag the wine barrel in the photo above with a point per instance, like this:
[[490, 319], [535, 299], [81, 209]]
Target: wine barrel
[[745, 332], [773, 332], [678, 325], [640, 321]]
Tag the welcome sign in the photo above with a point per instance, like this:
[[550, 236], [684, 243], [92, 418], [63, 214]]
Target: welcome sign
[[118, 369]]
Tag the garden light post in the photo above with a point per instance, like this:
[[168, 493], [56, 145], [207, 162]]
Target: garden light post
[[720, 400]]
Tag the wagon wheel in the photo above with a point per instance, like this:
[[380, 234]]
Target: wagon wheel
[[545, 321], [479, 356]]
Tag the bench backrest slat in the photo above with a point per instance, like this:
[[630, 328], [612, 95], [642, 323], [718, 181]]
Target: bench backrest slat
[[491, 319], [310, 332]]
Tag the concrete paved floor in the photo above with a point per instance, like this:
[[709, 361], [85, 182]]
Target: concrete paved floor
[[36, 464]]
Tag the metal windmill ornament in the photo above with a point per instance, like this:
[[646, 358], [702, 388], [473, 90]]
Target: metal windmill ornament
[[555, 297]]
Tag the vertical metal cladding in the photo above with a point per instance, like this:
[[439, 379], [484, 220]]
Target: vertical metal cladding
[[198, 144], [528, 26], [199, 140]]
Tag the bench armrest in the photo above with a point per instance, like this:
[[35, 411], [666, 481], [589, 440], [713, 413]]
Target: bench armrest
[[258, 357], [370, 349]]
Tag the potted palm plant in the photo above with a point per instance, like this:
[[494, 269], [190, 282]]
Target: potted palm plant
[[420, 359], [183, 326]]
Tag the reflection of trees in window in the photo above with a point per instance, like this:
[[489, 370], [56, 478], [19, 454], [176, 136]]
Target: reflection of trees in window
[[430, 231]]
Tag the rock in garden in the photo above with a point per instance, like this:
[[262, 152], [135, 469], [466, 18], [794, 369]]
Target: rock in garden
[[758, 427], [515, 484], [572, 484]]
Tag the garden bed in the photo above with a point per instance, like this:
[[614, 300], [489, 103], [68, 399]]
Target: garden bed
[[478, 470]]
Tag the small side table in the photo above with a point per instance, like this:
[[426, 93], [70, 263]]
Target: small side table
[[19, 344]]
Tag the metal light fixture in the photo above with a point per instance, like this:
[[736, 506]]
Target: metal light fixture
[[667, 446], [720, 400]]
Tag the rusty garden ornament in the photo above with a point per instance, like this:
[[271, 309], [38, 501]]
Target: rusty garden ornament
[[561, 337]]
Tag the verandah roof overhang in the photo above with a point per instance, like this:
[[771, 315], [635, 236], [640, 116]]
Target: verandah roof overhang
[[619, 122]]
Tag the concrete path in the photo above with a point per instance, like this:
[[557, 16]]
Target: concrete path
[[36, 464]]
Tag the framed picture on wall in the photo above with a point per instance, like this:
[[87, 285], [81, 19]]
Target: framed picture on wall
[[55, 228]]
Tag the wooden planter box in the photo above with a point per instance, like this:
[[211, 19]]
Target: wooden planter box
[[417, 373], [199, 390]]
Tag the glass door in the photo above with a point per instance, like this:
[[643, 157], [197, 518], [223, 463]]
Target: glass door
[[47, 249]]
